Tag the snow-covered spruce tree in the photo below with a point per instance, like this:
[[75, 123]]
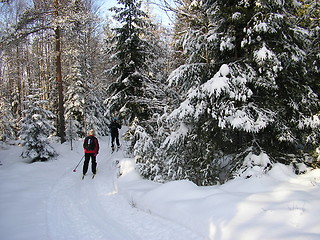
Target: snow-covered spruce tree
[[191, 32], [130, 96], [36, 127], [137, 94], [75, 109], [143, 133], [278, 53], [259, 101], [308, 18]]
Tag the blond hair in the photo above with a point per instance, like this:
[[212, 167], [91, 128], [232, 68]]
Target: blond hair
[[91, 132]]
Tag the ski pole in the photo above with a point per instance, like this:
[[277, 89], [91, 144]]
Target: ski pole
[[75, 169]]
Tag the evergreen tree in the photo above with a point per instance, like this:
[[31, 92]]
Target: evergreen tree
[[138, 94], [250, 96], [130, 94], [36, 127], [75, 108], [308, 18]]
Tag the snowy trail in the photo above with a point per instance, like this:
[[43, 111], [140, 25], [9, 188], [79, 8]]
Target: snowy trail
[[48, 201], [91, 209], [80, 207]]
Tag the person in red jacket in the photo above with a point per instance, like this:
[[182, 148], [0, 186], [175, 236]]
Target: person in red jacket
[[91, 150]]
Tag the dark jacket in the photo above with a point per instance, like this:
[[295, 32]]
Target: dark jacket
[[114, 126], [96, 145]]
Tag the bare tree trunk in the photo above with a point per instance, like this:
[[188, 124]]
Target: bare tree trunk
[[61, 121]]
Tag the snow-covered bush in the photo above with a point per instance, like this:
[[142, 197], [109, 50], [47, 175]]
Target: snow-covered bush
[[36, 127], [255, 165]]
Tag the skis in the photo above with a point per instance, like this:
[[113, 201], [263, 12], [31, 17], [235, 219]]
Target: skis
[[117, 149], [91, 177]]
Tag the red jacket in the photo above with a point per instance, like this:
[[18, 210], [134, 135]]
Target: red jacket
[[96, 147]]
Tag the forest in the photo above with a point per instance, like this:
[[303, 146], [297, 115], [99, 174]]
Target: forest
[[229, 83]]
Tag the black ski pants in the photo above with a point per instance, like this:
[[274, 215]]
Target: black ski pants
[[87, 157], [115, 137]]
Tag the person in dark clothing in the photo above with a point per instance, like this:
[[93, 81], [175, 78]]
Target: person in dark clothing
[[91, 150], [114, 126]]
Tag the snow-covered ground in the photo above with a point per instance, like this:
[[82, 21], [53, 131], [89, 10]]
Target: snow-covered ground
[[48, 200]]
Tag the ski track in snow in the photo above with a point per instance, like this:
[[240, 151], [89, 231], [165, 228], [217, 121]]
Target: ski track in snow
[[91, 209]]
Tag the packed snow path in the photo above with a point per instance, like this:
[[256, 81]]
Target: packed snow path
[[48, 201], [92, 209]]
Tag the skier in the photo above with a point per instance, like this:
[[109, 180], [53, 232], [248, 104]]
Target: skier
[[114, 126], [91, 150]]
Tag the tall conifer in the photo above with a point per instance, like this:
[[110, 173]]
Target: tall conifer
[[252, 95], [132, 53]]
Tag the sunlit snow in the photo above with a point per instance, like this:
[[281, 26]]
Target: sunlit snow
[[47, 200]]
